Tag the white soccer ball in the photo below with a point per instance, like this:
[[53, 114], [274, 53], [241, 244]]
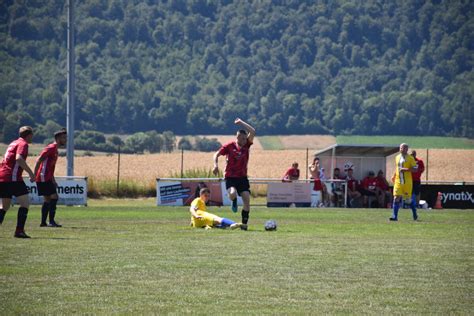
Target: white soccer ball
[[348, 165]]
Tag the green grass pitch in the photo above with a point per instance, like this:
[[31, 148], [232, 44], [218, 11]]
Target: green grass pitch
[[131, 257]]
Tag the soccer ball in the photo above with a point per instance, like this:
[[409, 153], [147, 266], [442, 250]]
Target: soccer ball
[[270, 225], [348, 165]]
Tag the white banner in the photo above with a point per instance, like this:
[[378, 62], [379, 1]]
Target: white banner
[[179, 193], [71, 191]]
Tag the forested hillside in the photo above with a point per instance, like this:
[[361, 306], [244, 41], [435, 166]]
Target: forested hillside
[[288, 66]]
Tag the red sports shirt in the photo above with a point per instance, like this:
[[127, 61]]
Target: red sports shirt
[[352, 184], [381, 183], [46, 170], [291, 174], [369, 183], [237, 159], [10, 170], [416, 176]]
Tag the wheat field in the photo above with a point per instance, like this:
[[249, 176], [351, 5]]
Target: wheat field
[[443, 164]]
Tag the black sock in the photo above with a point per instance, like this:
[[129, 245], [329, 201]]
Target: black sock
[[2, 214], [52, 211], [245, 216], [21, 219], [44, 212]]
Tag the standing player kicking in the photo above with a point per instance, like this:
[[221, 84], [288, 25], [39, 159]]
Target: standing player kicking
[[405, 165], [45, 181], [11, 181], [237, 157]]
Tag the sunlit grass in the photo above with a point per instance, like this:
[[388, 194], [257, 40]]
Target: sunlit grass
[[131, 257]]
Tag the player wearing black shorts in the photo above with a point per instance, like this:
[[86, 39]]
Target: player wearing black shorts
[[237, 154], [11, 180], [45, 181]]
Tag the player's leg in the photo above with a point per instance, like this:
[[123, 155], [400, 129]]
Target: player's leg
[[412, 203], [24, 202], [232, 193], [396, 207], [246, 208], [45, 210], [6, 202], [397, 199], [52, 210]]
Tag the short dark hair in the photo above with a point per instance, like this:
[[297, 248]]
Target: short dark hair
[[242, 131], [337, 169], [62, 131], [204, 190], [25, 131]]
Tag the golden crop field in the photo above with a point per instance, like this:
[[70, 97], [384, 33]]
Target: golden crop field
[[443, 164]]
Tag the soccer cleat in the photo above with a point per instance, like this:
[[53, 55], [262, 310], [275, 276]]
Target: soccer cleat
[[393, 219], [237, 225], [244, 227], [54, 224], [415, 218], [21, 235], [43, 225], [234, 205]]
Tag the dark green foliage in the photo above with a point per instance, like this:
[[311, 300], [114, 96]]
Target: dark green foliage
[[191, 67], [206, 144]]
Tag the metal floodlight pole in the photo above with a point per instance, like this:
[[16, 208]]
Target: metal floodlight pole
[[70, 88]]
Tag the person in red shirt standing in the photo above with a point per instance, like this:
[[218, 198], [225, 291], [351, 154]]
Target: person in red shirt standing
[[237, 157], [315, 172], [45, 181], [11, 180], [292, 174], [416, 178]]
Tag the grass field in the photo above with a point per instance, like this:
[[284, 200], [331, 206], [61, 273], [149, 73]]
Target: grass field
[[413, 141], [131, 257]]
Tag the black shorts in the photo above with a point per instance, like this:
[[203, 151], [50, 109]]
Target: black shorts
[[16, 188], [46, 188], [416, 187], [367, 192], [240, 184]]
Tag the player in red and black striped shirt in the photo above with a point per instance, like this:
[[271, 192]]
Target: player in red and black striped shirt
[[45, 181], [237, 157], [11, 180]]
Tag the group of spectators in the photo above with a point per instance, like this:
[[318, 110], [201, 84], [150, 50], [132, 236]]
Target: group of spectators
[[372, 191]]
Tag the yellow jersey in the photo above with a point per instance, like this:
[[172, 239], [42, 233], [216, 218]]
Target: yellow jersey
[[198, 204], [407, 161]]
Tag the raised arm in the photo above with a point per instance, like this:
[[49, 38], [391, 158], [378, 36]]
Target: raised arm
[[249, 128]]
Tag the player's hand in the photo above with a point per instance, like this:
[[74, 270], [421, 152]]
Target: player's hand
[[215, 171], [207, 227], [32, 178], [197, 216], [237, 121]]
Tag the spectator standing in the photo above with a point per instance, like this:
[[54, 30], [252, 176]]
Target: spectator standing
[[352, 188]]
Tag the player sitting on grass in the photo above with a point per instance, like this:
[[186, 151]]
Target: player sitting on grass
[[200, 218]]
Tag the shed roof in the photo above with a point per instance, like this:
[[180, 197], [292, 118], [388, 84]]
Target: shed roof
[[359, 150]]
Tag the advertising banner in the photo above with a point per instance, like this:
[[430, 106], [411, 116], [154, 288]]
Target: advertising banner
[[183, 193], [71, 191], [452, 196], [289, 194]]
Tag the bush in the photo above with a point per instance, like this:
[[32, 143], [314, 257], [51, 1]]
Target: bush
[[185, 144], [206, 144]]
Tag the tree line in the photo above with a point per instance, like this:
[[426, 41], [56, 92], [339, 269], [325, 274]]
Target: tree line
[[287, 66]]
